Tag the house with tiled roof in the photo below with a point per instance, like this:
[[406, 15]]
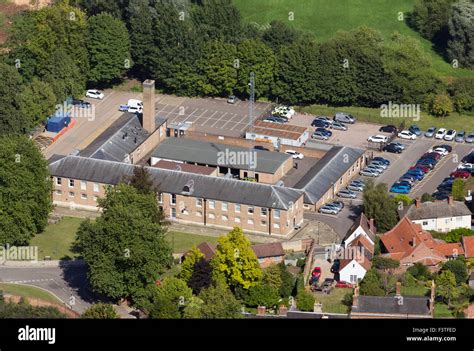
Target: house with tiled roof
[[356, 259], [362, 227], [468, 246]]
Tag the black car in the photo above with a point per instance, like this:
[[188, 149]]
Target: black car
[[320, 123], [441, 194], [388, 129], [448, 148], [392, 148], [81, 103], [469, 158]]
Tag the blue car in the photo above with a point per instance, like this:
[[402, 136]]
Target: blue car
[[400, 189], [416, 175], [381, 159], [324, 131], [403, 183], [415, 130], [320, 123]]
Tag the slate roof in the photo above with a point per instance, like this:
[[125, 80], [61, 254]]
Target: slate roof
[[184, 167], [174, 182], [268, 250], [120, 139], [438, 209], [412, 305], [196, 151], [327, 171]]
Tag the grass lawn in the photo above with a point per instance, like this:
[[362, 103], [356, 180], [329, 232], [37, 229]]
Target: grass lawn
[[182, 242], [57, 239], [332, 303], [28, 291], [325, 17], [419, 290], [372, 115], [442, 311]]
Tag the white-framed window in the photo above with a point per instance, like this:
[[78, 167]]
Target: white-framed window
[[160, 198], [353, 278], [276, 214], [425, 222], [225, 206], [237, 208], [71, 194], [250, 221], [83, 196], [173, 199], [212, 204], [264, 211], [58, 181], [96, 187], [71, 183], [237, 219], [276, 226], [83, 185], [198, 202], [225, 218], [250, 210], [212, 215]]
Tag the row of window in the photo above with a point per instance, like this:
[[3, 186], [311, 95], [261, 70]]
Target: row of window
[[73, 194], [225, 206], [226, 218], [71, 184]]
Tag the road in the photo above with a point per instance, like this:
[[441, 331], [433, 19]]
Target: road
[[68, 283]]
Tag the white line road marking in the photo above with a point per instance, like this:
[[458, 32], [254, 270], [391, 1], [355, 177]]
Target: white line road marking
[[222, 116], [207, 120], [29, 281], [230, 120]]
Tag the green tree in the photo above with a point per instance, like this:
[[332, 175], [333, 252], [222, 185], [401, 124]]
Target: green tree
[[25, 191], [201, 277], [219, 303], [380, 206], [164, 308], [385, 263], [37, 101], [23, 310], [305, 301], [458, 190], [125, 249], [287, 281], [458, 268], [193, 308], [262, 295], [371, 285], [426, 197], [461, 33], [454, 236], [419, 271], [108, 45], [441, 106], [94, 7], [254, 56], [279, 34], [272, 277], [175, 290], [446, 286], [403, 199], [100, 311], [236, 260], [190, 259], [462, 94], [430, 18]]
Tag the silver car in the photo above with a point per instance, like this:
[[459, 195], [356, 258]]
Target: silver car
[[374, 168], [469, 138], [344, 118], [369, 173], [460, 136], [355, 187], [347, 193], [328, 210], [430, 132], [339, 126], [319, 136], [379, 163]]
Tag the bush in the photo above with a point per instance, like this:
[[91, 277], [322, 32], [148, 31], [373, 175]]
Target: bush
[[100, 311], [419, 271], [262, 295], [380, 262], [458, 268], [427, 198], [305, 301]]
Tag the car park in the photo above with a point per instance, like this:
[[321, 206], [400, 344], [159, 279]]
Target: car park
[[320, 123], [344, 118], [319, 136], [346, 193], [392, 148], [339, 126], [414, 129], [460, 136], [94, 94], [388, 129], [378, 139], [81, 103], [406, 134], [430, 132], [440, 133], [328, 210], [294, 154], [460, 173], [369, 173], [450, 135], [469, 138]]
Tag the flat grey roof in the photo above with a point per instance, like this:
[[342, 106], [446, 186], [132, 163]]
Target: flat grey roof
[[327, 171], [188, 150], [120, 139], [174, 182]]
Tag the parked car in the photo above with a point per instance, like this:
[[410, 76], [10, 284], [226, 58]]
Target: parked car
[[379, 163], [439, 150], [324, 118], [441, 194], [392, 148], [369, 173], [467, 166], [232, 99], [94, 94], [275, 119], [135, 109], [328, 210], [430, 132], [414, 129], [346, 193], [469, 138], [333, 206], [374, 168], [378, 139], [460, 136], [448, 148], [294, 154], [355, 187], [319, 136], [285, 111], [417, 175], [381, 159], [400, 189], [358, 181], [400, 145], [408, 180], [388, 129], [325, 131], [460, 173], [343, 284], [320, 123], [424, 168], [440, 133], [406, 134], [450, 135], [433, 155], [338, 204], [404, 183], [339, 126], [81, 103], [344, 118]]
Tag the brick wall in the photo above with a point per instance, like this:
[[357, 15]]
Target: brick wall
[[148, 145]]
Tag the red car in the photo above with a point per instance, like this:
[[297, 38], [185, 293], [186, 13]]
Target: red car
[[460, 174], [343, 284], [316, 272], [423, 168], [433, 155]]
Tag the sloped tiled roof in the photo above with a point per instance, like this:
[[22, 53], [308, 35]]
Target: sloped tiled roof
[[268, 250], [438, 209], [450, 249], [207, 249], [468, 244]]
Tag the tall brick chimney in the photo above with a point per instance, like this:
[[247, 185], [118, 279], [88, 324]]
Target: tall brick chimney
[[148, 118], [417, 203], [450, 200]]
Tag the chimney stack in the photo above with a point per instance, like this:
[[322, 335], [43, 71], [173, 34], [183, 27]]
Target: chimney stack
[[372, 226], [417, 203], [398, 287], [148, 117], [261, 310], [283, 310], [450, 200]]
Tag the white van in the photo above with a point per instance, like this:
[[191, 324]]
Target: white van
[[135, 103]]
